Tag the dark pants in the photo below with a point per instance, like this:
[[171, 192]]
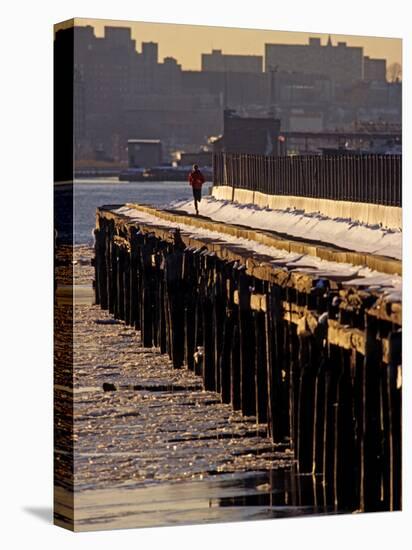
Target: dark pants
[[197, 196]]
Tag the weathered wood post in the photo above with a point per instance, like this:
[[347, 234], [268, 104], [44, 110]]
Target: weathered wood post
[[115, 279], [208, 372], [235, 398], [261, 379], [101, 263], [112, 274], [318, 417], [305, 400], [227, 332], [275, 328], [146, 322], [345, 467], [370, 475], [247, 346], [175, 300], [126, 285], [219, 310], [120, 281], [135, 274], [292, 369], [392, 422], [189, 276], [161, 299], [198, 314], [329, 415]]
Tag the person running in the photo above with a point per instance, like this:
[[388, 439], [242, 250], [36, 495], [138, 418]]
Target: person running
[[196, 180]]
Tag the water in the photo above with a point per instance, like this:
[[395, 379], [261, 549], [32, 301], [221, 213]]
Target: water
[[151, 447], [93, 192], [157, 450], [228, 497]]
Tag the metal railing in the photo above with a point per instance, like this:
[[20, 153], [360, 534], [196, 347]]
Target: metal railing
[[375, 179]]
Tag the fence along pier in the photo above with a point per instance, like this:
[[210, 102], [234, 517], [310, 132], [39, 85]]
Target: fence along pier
[[372, 179], [317, 361]]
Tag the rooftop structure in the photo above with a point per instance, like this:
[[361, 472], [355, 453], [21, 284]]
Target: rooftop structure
[[248, 135], [217, 61], [340, 62], [144, 153]]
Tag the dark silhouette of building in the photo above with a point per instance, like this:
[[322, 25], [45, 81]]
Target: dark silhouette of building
[[374, 69], [340, 62], [234, 89], [144, 153], [120, 92], [218, 62], [248, 135]]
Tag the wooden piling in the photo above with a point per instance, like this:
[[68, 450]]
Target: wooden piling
[[247, 347], [324, 378]]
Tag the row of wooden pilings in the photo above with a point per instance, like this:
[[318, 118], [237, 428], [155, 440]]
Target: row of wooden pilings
[[338, 407]]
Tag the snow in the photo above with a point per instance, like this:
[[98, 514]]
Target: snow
[[389, 285], [343, 233]]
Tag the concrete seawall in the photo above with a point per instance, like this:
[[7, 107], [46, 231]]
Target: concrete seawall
[[370, 214]]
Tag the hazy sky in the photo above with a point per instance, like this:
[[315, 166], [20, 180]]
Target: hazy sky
[[186, 42]]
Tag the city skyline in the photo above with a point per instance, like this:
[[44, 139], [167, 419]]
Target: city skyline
[[204, 39], [127, 86]]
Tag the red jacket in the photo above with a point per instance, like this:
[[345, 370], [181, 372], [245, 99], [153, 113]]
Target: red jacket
[[196, 179]]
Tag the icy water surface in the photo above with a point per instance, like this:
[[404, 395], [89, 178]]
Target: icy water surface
[[150, 446]]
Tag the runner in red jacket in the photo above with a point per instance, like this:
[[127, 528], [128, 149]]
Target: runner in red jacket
[[196, 180]]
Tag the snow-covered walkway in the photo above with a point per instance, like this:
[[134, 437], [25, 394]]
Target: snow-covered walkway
[[389, 285], [343, 233]]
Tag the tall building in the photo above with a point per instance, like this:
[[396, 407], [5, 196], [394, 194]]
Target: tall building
[[374, 69], [216, 61], [104, 66], [169, 75], [149, 53], [340, 62]]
